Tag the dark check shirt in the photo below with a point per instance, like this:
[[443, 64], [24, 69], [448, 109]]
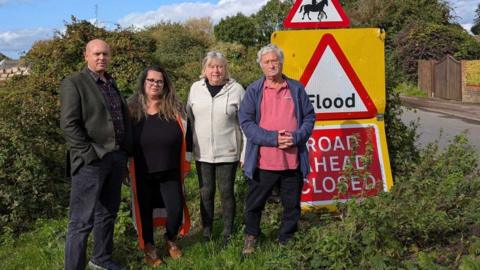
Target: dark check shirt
[[114, 104]]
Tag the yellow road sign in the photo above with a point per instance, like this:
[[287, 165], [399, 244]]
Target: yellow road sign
[[343, 71], [340, 64]]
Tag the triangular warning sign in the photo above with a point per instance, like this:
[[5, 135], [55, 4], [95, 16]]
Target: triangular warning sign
[[332, 85], [316, 14]]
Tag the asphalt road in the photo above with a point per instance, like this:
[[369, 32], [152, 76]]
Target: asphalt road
[[442, 127]]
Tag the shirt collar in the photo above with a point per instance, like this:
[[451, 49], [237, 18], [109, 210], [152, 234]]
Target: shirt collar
[[284, 85], [96, 77]]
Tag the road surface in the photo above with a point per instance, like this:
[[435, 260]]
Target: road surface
[[442, 127]]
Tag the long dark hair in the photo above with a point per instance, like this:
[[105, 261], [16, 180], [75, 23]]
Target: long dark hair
[[169, 106]]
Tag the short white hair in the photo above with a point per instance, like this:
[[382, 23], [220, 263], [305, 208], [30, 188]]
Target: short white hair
[[215, 55], [268, 49]]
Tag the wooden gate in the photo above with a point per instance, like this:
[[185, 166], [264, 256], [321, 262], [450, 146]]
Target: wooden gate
[[448, 79]]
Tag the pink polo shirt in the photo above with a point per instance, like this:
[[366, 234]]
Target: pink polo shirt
[[277, 112]]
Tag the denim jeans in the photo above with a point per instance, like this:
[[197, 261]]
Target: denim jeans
[[224, 175], [94, 203]]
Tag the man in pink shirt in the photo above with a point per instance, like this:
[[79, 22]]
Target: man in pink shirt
[[277, 118]]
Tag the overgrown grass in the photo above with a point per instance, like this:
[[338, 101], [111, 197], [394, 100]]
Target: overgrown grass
[[409, 89], [430, 220]]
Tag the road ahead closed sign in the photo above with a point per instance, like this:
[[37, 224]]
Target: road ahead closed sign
[[346, 161]]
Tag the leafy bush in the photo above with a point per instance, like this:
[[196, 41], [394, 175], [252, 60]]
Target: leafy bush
[[241, 61], [238, 28], [32, 150], [472, 73], [429, 220], [393, 15], [52, 60], [432, 41], [180, 50], [409, 89], [401, 137], [31, 158]]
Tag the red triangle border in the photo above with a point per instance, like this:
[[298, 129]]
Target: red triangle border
[[344, 23], [329, 40]]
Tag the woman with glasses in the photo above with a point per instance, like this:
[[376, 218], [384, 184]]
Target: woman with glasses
[[159, 163], [212, 107]]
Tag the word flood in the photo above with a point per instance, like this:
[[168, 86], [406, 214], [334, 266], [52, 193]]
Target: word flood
[[320, 102]]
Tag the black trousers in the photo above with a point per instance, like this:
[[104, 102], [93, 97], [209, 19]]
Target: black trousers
[[260, 188], [157, 190], [223, 174], [94, 202]]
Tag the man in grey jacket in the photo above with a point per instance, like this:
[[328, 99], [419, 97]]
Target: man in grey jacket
[[97, 129]]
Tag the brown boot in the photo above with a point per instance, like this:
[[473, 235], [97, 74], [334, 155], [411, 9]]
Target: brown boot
[[151, 257], [249, 245], [173, 250]]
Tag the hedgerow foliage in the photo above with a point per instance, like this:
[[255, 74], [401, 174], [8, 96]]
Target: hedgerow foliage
[[31, 158], [428, 221], [32, 150], [50, 61], [420, 40]]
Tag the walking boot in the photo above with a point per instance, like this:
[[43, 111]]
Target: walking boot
[[151, 257], [249, 245], [173, 250]]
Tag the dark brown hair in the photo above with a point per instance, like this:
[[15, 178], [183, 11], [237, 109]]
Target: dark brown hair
[[169, 106]]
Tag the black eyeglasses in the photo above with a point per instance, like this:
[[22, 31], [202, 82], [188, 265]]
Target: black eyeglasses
[[153, 81]]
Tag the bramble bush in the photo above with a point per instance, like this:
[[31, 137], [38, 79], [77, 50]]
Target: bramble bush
[[429, 220], [31, 159]]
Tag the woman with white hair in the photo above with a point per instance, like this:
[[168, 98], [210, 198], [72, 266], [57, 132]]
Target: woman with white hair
[[212, 108]]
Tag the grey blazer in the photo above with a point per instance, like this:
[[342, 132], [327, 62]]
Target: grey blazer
[[86, 121]]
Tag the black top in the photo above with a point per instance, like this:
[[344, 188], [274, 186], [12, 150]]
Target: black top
[[157, 144], [214, 89]]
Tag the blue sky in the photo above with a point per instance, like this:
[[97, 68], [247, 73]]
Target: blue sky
[[24, 21]]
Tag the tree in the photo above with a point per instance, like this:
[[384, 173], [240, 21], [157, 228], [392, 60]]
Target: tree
[[241, 61], [432, 41], [476, 22], [52, 60], [238, 28], [180, 50], [269, 19], [200, 26], [393, 15], [2, 56]]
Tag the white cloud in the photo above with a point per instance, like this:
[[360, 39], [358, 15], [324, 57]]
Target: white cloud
[[186, 10], [14, 43], [4, 2], [464, 10], [467, 26]]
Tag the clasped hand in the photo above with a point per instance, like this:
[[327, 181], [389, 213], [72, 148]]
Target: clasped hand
[[285, 139]]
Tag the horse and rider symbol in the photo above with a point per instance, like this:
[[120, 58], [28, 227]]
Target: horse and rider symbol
[[314, 7]]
